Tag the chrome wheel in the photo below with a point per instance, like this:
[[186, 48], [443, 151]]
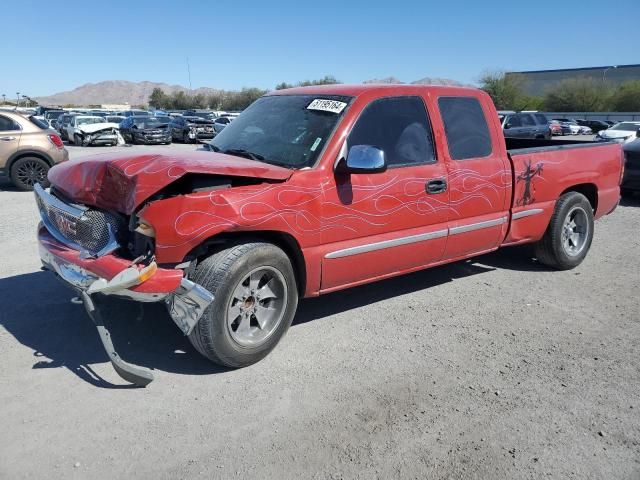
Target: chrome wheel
[[257, 306], [575, 231], [30, 172]]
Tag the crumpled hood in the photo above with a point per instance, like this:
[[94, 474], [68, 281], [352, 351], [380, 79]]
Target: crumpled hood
[[122, 182], [94, 127]]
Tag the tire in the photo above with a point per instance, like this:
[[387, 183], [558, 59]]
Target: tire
[[560, 249], [249, 338], [77, 141], [185, 138], [27, 171]]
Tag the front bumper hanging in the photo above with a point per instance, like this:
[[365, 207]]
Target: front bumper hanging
[[185, 300]]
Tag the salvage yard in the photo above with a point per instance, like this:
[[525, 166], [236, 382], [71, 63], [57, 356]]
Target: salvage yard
[[492, 368]]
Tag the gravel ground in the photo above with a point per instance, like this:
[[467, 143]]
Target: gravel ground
[[489, 369]]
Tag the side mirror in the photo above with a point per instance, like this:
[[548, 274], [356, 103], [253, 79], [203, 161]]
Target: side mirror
[[507, 126], [362, 159]]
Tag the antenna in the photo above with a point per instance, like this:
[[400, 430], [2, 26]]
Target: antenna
[[189, 72]]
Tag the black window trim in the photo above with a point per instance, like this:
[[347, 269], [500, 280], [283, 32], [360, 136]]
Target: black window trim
[[435, 160], [490, 154]]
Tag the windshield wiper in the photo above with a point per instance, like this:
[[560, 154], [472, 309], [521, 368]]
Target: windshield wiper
[[239, 152]]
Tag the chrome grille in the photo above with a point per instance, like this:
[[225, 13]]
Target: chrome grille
[[94, 232]]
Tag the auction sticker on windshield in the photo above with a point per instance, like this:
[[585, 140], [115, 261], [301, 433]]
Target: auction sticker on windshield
[[324, 105]]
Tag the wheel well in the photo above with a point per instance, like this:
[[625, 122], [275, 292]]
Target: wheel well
[[284, 241], [28, 153], [589, 190]]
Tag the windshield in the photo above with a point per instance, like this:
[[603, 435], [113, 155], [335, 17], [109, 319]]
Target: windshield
[[286, 130], [628, 127], [89, 120]]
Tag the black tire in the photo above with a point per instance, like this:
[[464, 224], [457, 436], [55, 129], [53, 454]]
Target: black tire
[[27, 171], [221, 273], [185, 138], [551, 250], [77, 140]]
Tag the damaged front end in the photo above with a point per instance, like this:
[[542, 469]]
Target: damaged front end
[[99, 134], [79, 243]]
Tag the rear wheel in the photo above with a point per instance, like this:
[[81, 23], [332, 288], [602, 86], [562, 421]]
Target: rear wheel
[[568, 238], [28, 171], [255, 299]]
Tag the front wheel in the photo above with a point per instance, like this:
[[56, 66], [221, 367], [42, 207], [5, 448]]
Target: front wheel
[[568, 238], [255, 299]]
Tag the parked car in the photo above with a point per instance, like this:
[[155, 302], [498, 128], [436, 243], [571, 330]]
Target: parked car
[[85, 130], [524, 125], [221, 122], [63, 123], [313, 190], [569, 126], [622, 132], [51, 115], [555, 128], [135, 113], [28, 149], [114, 118], [191, 129], [146, 130], [594, 125], [611, 123], [631, 180]]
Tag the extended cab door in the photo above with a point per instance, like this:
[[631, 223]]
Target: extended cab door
[[9, 139], [380, 224], [479, 175]]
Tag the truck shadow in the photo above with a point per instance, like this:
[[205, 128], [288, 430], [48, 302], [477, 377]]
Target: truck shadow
[[39, 314]]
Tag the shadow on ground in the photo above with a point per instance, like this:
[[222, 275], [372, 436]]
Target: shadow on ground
[[37, 311]]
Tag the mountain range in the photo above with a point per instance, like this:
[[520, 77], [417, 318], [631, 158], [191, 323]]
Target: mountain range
[[137, 93]]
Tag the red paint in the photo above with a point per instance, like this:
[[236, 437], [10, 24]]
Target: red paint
[[324, 213]]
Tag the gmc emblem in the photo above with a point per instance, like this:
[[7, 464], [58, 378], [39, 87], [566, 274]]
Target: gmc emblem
[[67, 227]]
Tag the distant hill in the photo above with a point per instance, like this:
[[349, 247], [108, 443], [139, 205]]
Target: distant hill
[[114, 91], [137, 93]]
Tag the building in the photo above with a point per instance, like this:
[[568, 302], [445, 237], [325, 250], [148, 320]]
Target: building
[[539, 81]]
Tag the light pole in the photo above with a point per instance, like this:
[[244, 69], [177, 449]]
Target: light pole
[[604, 73], [4, 99], [17, 99]]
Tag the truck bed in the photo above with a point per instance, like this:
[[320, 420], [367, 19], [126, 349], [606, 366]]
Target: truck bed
[[530, 145]]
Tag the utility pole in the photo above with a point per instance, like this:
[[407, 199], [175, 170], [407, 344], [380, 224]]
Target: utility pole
[[604, 73], [17, 99]]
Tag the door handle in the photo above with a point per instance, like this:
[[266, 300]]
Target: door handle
[[437, 185], [7, 139]]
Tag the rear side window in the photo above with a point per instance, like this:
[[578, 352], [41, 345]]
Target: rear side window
[[514, 121], [466, 127], [527, 121], [400, 127], [7, 125], [541, 118]]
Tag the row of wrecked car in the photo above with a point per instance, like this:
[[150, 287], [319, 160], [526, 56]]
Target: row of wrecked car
[[140, 127]]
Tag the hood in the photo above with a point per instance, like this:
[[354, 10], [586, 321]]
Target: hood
[[159, 129], [123, 182], [94, 127]]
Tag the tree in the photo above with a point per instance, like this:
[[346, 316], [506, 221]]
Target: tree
[[284, 85], [158, 99], [626, 98], [507, 91], [578, 95], [326, 80]]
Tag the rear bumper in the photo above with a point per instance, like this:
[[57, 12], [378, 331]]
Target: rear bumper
[[185, 300]]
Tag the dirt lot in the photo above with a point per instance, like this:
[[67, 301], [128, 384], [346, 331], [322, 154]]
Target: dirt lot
[[490, 369]]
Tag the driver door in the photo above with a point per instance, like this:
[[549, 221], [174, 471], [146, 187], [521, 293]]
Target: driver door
[[377, 225]]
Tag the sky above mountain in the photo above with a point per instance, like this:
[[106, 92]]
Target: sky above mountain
[[230, 45]]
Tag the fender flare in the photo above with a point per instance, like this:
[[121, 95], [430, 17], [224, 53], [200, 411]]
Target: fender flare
[[28, 153]]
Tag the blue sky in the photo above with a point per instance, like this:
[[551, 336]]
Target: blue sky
[[232, 44]]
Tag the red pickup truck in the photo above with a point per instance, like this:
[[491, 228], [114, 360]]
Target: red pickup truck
[[309, 191]]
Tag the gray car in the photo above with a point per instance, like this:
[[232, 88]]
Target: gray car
[[525, 125]]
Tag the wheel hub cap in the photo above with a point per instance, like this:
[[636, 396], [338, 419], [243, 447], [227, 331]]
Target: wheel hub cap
[[257, 306], [575, 231]]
